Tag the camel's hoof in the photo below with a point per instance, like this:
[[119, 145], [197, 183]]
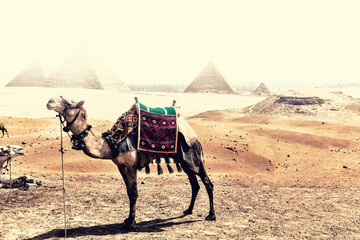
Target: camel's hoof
[[128, 224], [211, 217], [187, 212]]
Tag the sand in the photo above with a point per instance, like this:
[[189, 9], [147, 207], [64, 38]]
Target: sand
[[281, 177]]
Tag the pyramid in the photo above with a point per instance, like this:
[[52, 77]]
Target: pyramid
[[209, 80], [33, 75], [262, 89], [81, 69]]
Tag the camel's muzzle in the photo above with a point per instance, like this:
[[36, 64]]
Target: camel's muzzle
[[21, 152]]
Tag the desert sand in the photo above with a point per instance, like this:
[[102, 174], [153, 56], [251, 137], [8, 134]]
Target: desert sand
[[289, 173]]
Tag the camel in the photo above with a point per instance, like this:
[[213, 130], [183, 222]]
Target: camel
[[9, 152], [96, 146], [23, 182], [3, 129]]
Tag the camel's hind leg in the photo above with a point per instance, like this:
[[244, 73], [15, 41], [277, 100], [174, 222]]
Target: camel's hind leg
[[194, 191], [3, 132], [209, 188], [6, 132], [195, 154]]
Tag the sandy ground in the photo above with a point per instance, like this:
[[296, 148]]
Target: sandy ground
[[275, 178]]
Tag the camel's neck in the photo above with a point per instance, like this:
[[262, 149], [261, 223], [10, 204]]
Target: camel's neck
[[94, 146]]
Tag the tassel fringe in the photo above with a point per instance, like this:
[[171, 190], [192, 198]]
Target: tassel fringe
[[158, 160], [178, 167], [147, 169], [138, 163], [160, 170], [144, 159], [170, 168], [167, 159]]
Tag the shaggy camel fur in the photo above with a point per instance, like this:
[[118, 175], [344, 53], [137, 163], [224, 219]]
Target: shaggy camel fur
[[96, 147], [3, 129]]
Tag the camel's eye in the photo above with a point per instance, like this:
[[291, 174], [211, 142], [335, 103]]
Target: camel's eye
[[51, 101]]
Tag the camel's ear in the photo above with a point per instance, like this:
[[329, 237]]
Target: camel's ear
[[66, 101], [80, 104]]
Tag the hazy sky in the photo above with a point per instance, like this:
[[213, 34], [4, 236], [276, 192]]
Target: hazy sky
[[282, 43]]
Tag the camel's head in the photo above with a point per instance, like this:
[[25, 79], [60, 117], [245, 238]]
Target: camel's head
[[61, 104], [72, 111], [12, 151]]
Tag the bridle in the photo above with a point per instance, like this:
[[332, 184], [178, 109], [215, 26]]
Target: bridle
[[77, 140], [63, 117]]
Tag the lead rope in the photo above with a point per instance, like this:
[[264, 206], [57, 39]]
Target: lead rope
[[9, 163], [63, 177]]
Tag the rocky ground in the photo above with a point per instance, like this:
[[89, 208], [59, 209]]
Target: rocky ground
[[274, 177]]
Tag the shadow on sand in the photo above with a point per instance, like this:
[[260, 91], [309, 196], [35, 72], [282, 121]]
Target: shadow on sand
[[156, 225]]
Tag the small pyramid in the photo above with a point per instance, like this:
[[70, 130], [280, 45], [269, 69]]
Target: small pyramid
[[83, 70], [33, 75], [209, 80], [261, 90]]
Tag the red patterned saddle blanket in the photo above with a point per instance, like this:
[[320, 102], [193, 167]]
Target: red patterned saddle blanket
[[157, 130], [157, 133]]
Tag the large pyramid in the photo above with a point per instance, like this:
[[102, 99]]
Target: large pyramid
[[83, 70], [33, 75], [262, 89], [209, 80]]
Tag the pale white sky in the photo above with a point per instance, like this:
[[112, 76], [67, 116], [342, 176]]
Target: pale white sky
[[283, 43]]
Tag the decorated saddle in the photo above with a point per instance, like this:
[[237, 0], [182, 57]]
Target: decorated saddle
[[155, 133], [156, 128]]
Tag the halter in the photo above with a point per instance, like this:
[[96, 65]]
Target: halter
[[77, 140], [63, 115]]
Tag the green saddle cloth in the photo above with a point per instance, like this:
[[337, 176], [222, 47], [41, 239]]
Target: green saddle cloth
[[159, 110]]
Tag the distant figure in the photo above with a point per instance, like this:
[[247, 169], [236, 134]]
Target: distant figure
[[3, 129]]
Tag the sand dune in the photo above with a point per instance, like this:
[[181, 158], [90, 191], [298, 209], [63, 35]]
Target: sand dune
[[320, 104]]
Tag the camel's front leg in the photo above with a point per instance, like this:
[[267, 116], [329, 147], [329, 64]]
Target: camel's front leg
[[129, 176], [128, 172], [2, 161]]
